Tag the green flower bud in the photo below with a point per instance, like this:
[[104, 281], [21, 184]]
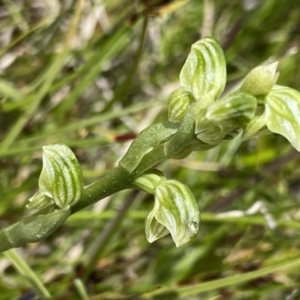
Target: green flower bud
[[233, 110], [204, 70], [179, 102], [60, 180], [282, 111], [175, 211], [260, 80], [149, 181], [209, 132]]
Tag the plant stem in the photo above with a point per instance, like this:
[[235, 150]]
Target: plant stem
[[81, 289], [114, 181], [224, 282], [119, 178], [26, 271], [167, 146]]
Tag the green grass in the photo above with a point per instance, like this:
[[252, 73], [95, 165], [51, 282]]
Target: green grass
[[87, 73]]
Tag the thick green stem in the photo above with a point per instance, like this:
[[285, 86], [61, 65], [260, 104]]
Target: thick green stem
[[117, 180], [114, 181]]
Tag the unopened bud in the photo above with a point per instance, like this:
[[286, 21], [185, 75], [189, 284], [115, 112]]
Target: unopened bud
[[260, 80]]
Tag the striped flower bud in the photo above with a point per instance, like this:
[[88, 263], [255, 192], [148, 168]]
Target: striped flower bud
[[179, 102], [282, 109], [175, 211], [208, 132], [233, 110], [60, 179], [204, 70]]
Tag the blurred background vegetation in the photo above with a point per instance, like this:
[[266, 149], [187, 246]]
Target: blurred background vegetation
[[92, 74]]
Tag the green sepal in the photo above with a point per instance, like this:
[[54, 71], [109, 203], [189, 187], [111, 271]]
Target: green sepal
[[61, 176], [224, 118], [176, 209], [179, 102], [204, 70], [256, 127], [282, 110], [149, 181], [209, 132], [39, 200], [153, 229], [260, 80], [233, 110]]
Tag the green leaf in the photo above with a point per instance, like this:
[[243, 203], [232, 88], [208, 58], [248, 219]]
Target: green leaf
[[282, 110], [32, 229], [175, 210], [61, 176], [145, 142], [204, 70]]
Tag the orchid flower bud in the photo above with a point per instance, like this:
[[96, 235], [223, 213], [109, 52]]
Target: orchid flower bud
[[260, 80], [233, 110], [204, 70], [175, 211], [61, 178], [179, 102], [209, 132]]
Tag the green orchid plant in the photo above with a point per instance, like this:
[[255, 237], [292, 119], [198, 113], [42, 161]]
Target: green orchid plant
[[199, 119]]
